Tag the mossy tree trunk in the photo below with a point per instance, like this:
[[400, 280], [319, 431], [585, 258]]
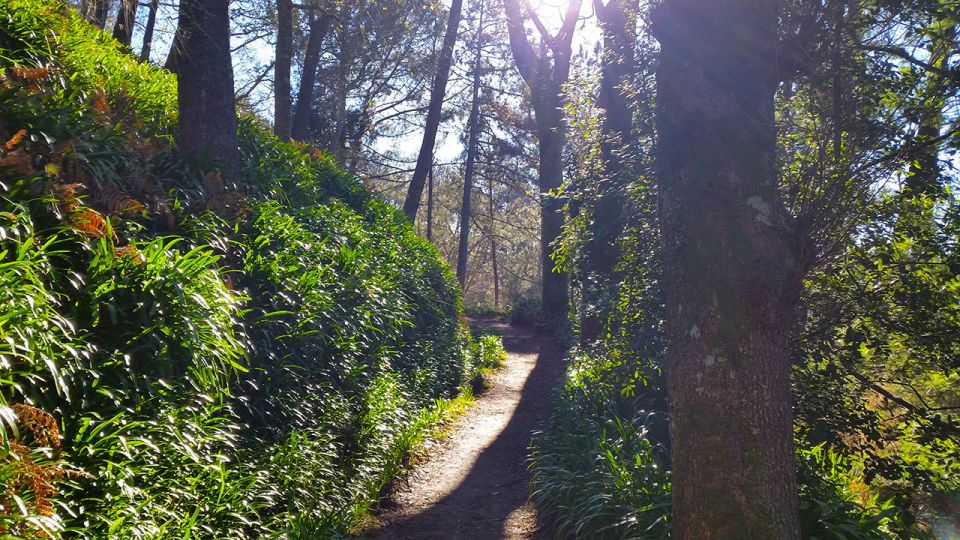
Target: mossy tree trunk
[[551, 137], [731, 282], [602, 251], [207, 128]]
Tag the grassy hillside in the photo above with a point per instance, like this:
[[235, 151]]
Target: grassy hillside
[[189, 355]]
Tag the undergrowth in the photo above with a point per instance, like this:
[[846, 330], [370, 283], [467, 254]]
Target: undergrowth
[[601, 464], [186, 354]]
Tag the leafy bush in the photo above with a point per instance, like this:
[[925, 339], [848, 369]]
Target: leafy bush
[[184, 354], [597, 471], [525, 312]]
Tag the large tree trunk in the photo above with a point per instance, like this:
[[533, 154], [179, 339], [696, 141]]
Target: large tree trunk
[[545, 73], [602, 251], [730, 278], [281, 70], [319, 26], [551, 138], [425, 159], [148, 30], [126, 18], [473, 146], [207, 129]]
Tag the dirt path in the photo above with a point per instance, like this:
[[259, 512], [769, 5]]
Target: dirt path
[[476, 486]]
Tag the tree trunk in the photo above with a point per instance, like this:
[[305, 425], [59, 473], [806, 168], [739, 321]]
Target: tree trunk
[[545, 75], [300, 129], [425, 159], [493, 246], [731, 281], [101, 9], [430, 206], [551, 138], [602, 251], [472, 149], [207, 129], [148, 30], [337, 145], [281, 70], [126, 18]]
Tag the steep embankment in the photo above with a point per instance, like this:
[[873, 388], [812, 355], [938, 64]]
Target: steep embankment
[[185, 354]]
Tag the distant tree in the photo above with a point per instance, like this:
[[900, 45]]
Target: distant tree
[[148, 30], [731, 272], [207, 127], [281, 74], [425, 159], [545, 74], [99, 11], [473, 135], [126, 18], [319, 27]]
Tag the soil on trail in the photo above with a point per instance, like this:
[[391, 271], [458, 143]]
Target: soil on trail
[[475, 486]]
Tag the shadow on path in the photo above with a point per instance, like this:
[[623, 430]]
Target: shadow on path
[[477, 487]]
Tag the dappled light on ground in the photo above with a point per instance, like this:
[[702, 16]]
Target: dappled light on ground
[[477, 486]]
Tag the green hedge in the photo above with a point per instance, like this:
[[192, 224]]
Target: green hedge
[[184, 354]]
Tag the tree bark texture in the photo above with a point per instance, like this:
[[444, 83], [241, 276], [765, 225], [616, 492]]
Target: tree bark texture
[[126, 18], [731, 282], [425, 159], [319, 27], [207, 128], [281, 70]]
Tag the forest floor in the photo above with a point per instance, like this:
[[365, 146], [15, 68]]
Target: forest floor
[[475, 484]]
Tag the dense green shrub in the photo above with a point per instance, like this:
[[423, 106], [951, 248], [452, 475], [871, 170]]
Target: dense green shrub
[[185, 354], [525, 312], [598, 472]]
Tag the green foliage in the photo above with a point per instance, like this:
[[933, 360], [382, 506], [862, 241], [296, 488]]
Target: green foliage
[[525, 312], [598, 472], [829, 509], [187, 355]]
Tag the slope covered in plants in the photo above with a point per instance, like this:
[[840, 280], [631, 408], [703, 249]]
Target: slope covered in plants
[[188, 354]]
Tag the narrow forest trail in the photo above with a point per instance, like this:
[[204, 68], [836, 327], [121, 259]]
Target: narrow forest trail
[[476, 484]]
